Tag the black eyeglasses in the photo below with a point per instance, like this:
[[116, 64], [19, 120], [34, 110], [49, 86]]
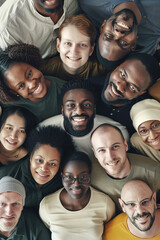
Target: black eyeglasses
[[143, 203], [81, 179]]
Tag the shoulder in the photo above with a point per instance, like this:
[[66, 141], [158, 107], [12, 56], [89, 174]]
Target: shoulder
[[56, 120]]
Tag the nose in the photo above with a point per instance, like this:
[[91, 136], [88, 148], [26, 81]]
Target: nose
[[74, 48], [79, 110], [44, 167], [139, 209], [14, 134], [8, 210], [121, 86], [108, 156], [31, 83], [118, 34], [152, 134], [76, 183]]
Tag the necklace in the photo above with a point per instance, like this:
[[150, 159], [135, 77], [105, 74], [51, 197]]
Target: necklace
[[14, 156]]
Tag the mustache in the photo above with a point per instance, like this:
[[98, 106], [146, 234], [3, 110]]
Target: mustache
[[82, 115], [115, 88], [141, 215]]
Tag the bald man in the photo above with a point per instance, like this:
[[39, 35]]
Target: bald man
[[115, 167], [141, 218]]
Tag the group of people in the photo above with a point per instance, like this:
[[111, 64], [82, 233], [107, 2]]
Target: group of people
[[80, 119]]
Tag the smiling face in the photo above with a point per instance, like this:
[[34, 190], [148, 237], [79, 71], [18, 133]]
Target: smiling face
[[44, 164], [10, 211], [26, 81], [76, 190], [118, 35], [78, 110], [150, 133], [139, 203], [12, 133], [126, 82], [110, 149], [74, 48]]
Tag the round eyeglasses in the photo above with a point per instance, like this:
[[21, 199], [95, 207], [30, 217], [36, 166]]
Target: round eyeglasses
[[154, 127]]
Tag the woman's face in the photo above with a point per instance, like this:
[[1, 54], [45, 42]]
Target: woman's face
[[12, 133], [44, 164], [78, 188], [26, 81], [150, 133]]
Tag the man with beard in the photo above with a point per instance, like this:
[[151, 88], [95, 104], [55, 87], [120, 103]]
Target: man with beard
[[115, 166], [16, 223], [34, 22], [125, 86], [125, 26], [141, 218], [78, 114]]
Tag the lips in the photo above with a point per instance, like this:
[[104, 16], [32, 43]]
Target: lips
[[114, 91], [74, 59], [13, 143], [112, 164], [79, 119], [42, 175]]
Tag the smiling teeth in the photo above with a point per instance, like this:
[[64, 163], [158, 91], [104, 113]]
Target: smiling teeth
[[113, 90], [79, 119], [123, 25]]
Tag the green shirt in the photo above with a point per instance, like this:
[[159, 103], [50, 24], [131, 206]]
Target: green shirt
[[29, 227]]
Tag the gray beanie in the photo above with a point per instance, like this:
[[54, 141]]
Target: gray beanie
[[9, 184], [146, 110]]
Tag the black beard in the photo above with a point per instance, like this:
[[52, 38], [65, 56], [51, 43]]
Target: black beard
[[120, 101], [54, 10], [78, 133]]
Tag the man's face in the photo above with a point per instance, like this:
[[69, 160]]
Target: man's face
[[10, 211], [140, 209], [126, 82], [48, 6], [118, 35], [79, 111], [110, 150]]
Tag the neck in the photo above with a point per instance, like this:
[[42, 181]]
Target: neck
[[9, 154], [74, 204], [152, 232], [73, 71], [55, 16], [132, 6]]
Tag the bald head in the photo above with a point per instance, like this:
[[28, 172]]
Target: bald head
[[135, 188]]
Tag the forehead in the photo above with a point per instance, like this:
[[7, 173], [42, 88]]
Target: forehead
[[9, 197], [106, 136], [74, 33], [136, 71], [148, 123], [76, 166], [46, 151], [78, 95]]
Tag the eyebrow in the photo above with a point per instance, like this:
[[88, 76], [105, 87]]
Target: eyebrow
[[131, 82], [70, 100], [150, 124], [44, 158], [8, 124]]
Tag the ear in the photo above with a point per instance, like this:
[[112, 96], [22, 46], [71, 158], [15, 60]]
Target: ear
[[58, 44], [102, 26], [126, 145], [155, 198], [13, 92], [121, 204], [133, 47], [62, 110], [92, 49]]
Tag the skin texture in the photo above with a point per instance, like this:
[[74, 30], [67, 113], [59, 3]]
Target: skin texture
[[44, 164], [75, 196], [26, 81], [12, 134], [10, 211], [143, 218], [153, 138], [126, 82], [78, 110], [118, 36], [50, 8], [110, 150], [74, 48]]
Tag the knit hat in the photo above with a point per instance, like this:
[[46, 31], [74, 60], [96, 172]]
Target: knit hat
[[146, 110], [9, 184]]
